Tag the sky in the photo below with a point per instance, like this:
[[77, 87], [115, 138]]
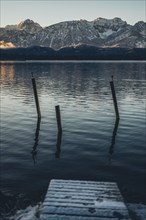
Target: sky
[[48, 12]]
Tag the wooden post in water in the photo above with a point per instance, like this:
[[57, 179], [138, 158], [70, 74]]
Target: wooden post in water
[[114, 98], [36, 96], [58, 117]]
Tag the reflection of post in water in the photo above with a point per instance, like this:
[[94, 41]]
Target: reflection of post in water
[[34, 149], [111, 149], [58, 144]]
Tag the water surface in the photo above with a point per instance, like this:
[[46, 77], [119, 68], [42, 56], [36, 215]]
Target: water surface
[[93, 146]]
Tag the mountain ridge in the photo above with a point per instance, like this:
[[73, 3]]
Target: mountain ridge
[[100, 32]]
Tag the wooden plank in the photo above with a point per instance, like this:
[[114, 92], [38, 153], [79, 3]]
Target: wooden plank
[[81, 200], [64, 217], [88, 204], [103, 212], [68, 188], [56, 181], [80, 184], [87, 190], [74, 192]]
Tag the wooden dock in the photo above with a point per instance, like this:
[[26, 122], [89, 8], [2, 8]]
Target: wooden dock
[[83, 200]]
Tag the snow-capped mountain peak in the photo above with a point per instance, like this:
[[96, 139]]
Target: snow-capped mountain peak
[[100, 32], [29, 26]]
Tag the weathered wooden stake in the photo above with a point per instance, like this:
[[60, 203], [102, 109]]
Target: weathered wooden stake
[[58, 144], [36, 96], [114, 98], [58, 117]]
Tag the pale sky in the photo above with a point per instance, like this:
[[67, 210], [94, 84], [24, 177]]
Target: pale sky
[[47, 12]]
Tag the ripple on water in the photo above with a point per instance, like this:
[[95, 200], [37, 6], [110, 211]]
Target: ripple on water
[[92, 146]]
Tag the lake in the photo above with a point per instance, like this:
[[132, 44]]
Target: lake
[[93, 145]]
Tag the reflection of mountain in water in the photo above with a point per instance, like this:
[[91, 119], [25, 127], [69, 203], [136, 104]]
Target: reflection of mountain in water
[[72, 79], [83, 92]]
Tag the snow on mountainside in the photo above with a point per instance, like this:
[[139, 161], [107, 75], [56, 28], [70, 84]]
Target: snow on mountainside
[[100, 32], [27, 25]]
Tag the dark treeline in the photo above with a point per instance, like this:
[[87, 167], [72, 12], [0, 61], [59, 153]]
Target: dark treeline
[[82, 52]]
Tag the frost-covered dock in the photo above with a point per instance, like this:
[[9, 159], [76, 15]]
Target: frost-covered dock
[[83, 200]]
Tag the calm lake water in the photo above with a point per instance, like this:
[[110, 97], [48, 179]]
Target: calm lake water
[[92, 146]]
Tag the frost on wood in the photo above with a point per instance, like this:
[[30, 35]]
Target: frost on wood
[[72, 199]]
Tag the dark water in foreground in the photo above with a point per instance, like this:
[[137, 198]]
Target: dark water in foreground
[[92, 145]]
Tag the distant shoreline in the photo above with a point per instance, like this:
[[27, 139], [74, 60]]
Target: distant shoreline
[[80, 53], [73, 61]]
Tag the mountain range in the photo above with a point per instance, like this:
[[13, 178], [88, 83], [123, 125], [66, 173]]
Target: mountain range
[[100, 32]]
